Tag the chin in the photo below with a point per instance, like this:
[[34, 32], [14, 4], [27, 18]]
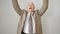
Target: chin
[[30, 10]]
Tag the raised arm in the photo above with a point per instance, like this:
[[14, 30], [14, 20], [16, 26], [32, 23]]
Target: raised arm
[[44, 7], [16, 7]]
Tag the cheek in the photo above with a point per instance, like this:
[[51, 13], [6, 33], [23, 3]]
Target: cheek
[[33, 8]]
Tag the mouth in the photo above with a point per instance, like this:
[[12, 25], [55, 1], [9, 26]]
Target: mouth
[[30, 8]]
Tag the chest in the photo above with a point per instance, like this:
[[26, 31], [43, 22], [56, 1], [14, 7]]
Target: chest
[[35, 16]]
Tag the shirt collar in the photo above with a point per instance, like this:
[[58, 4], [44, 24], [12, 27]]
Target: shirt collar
[[31, 13]]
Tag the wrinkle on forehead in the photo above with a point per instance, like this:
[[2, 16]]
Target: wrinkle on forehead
[[30, 3]]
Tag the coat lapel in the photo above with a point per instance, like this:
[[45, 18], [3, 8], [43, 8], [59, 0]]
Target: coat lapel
[[38, 23], [23, 18]]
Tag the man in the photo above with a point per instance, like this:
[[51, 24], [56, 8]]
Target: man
[[30, 21]]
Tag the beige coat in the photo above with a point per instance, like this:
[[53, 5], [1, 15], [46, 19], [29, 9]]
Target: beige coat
[[23, 14]]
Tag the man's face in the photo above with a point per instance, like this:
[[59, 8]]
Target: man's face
[[30, 7]]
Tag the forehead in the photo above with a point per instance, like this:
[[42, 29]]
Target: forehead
[[30, 3]]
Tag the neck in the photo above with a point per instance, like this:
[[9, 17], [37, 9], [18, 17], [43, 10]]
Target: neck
[[30, 12]]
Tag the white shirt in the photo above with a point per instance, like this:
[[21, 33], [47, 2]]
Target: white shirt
[[26, 25]]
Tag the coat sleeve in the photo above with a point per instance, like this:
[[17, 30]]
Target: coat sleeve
[[16, 7], [44, 7]]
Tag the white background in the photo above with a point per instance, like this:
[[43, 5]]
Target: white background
[[9, 18]]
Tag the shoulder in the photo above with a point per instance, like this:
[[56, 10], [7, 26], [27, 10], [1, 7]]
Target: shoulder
[[37, 11], [24, 11]]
